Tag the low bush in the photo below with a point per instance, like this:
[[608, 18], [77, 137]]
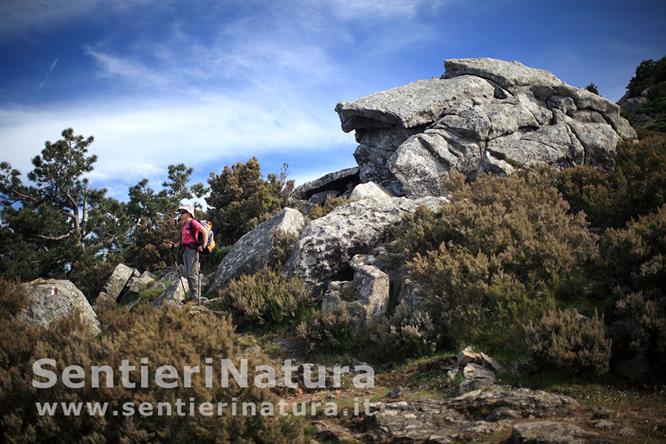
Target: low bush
[[166, 336], [635, 187], [566, 341], [633, 272], [268, 298], [407, 333], [338, 332], [330, 204], [499, 255]]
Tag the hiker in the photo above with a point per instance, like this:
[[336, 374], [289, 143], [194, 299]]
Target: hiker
[[189, 249]]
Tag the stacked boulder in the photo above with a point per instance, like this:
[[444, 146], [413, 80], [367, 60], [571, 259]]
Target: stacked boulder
[[482, 115]]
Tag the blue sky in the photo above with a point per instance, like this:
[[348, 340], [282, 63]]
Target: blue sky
[[209, 83]]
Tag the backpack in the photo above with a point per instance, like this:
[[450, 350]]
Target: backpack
[[208, 244]]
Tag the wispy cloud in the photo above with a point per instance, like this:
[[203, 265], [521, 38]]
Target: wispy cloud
[[131, 71], [257, 83]]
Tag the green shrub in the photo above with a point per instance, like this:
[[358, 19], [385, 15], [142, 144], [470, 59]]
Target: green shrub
[[267, 298], [569, 342], [167, 336], [633, 258], [633, 272], [150, 294], [330, 204], [240, 198], [639, 329], [636, 186], [496, 256], [282, 246]]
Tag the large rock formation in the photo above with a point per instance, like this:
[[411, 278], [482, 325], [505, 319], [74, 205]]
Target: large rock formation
[[52, 299], [258, 247], [483, 115], [328, 244]]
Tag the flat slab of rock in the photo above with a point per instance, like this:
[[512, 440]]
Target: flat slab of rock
[[339, 181], [507, 74], [256, 248], [535, 403], [52, 299], [428, 421], [411, 105]]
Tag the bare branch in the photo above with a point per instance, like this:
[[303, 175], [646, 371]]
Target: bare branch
[[55, 238]]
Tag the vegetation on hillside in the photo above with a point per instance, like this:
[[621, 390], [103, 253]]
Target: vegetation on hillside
[[166, 336], [55, 224]]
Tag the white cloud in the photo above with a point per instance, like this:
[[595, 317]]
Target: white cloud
[[133, 140], [128, 70]]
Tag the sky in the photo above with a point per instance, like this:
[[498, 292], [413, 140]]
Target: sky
[[211, 83]]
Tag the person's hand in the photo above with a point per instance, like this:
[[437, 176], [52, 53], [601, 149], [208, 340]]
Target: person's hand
[[200, 249], [169, 244]]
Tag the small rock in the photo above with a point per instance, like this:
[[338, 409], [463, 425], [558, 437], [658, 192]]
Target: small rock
[[503, 413], [601, 424], [627, 431], [396, 392]]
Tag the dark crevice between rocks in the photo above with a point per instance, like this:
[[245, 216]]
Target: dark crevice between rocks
[[573, 132], [346, 273], [125, 288], [340, 185]]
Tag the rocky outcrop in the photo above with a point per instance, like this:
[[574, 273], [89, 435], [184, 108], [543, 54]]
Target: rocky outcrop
[[483, 115], [327, 245], [174, 286], [491, 402], [259, 247], [468, 418], [118, 282], [52, 299]]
